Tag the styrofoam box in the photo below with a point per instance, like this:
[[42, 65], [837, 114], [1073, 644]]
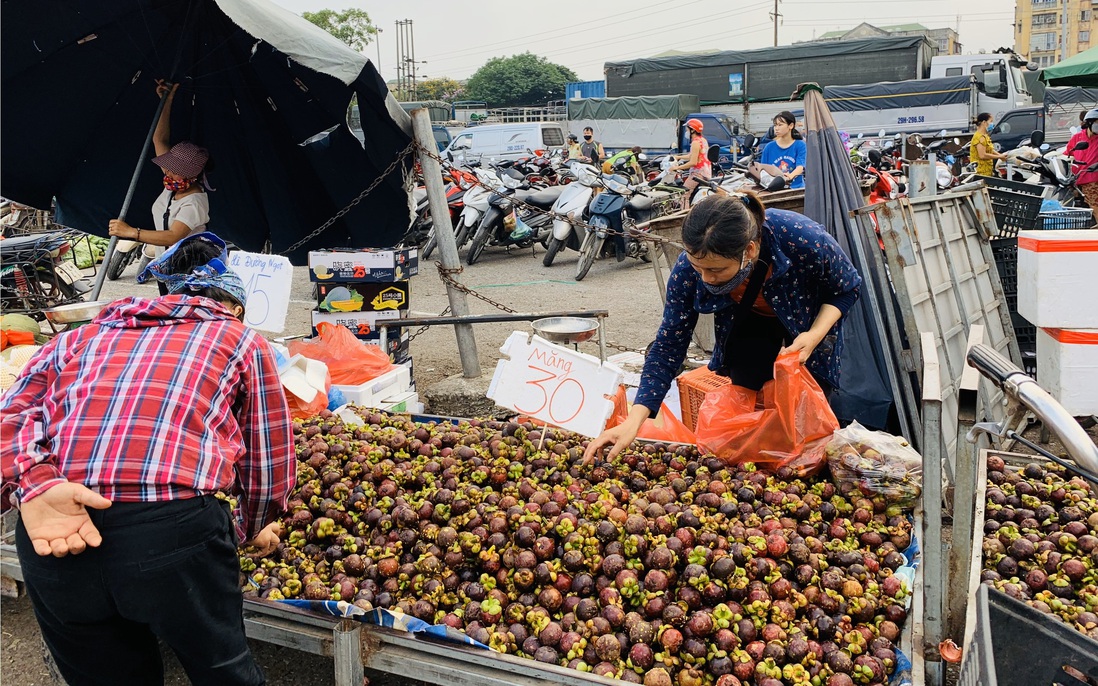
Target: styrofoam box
[[376, 390], [1057, 275], [401, 403], [1067, 366]]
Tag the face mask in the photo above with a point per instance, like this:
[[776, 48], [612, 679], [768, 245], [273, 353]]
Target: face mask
[[1094, 128], [587, 138], [991, 127], [174, 185], [733, 283]]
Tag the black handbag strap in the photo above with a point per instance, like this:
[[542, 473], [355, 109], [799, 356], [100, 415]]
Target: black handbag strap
[[167, 210]]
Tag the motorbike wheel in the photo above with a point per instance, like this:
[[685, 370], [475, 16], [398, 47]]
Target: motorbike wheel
[[462, 236], [588, 251], [477, 248], [429, 246], [143, 262], [551, 251], [119, 262]]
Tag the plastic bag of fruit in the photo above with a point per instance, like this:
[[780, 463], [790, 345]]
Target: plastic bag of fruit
[[790, 430], [875, 463]]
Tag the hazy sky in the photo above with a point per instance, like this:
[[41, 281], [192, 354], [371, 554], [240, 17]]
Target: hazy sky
[[457, 38]]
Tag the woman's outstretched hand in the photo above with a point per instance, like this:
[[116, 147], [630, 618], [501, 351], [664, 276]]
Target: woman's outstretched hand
[[163, 87], [618, 437]]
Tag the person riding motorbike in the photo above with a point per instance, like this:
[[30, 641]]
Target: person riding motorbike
[[1086, 159], [630, 157], [697, 160]]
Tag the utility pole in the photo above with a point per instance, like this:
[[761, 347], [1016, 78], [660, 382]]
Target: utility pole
[[1064, 32], [775, 15], [405, 59]]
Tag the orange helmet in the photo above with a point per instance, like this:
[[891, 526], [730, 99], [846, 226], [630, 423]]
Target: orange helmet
[[694, 124]]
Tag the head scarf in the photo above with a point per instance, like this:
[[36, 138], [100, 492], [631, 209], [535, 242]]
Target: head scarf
[[213, 274]]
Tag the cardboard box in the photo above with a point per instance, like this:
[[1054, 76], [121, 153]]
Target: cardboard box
[[1067, 366], [1056, 278], [374, 266], [362, 324], [362, 297]]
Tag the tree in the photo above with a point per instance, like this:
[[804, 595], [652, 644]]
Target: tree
[[524, 79], [440, 89], [352, 26]]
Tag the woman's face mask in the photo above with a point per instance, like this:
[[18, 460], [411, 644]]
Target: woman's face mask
[[173, 184], [1094, 127], [736, 281]]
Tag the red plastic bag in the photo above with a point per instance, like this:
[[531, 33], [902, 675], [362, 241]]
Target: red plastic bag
[[791, 429], [666, 427], [301, 409], [350, 361]]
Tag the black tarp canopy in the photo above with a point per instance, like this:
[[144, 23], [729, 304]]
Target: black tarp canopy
[[264, 90]]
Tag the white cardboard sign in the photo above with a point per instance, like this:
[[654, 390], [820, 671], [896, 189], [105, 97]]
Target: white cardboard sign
[[267, 280], [555, 384]]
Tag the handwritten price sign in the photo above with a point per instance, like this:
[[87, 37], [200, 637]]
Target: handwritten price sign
[[555, 384], [267, 280]]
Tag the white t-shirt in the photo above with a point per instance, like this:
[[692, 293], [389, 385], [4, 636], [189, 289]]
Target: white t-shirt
[[193, 210]]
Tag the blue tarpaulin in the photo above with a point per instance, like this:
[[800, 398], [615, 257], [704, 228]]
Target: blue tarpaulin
[[392, 620]]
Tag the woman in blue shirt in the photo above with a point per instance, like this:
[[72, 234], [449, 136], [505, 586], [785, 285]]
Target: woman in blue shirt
[[776, 282], [785, 152]]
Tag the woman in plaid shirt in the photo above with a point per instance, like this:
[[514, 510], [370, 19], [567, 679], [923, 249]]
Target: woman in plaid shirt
[[156, 405]]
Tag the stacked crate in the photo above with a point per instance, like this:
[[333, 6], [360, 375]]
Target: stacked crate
[[358, 289]]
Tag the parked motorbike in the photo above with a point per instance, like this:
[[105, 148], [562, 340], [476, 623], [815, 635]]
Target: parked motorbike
[[35, 273], [495, 229], [571, 203], [462, 182], [613, 215]]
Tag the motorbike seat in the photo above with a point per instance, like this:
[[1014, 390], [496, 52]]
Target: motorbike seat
[[639, 203], [544, 197]]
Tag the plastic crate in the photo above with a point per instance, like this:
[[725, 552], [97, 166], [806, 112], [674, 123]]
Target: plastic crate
[[1006, 263], [1068, 218], [693, 387], [1010, 634], [1014, 210], [994, 182]]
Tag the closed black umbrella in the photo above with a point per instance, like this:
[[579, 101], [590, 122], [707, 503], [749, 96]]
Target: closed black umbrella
[[869, 391], [264, 90]]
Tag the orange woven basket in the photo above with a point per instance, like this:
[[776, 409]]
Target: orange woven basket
[[693, 387]]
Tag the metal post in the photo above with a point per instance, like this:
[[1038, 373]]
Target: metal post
[[444, 234], [101, 274], [965, 469], [1063, 32], [921, 182], [347, 642], [932, 508]]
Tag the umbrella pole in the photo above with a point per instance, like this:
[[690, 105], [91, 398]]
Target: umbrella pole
[[101, 275]]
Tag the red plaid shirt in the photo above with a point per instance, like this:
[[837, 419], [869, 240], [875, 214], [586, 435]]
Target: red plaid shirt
[[155, 400]]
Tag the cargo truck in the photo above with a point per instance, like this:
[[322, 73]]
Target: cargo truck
[[751, 86]]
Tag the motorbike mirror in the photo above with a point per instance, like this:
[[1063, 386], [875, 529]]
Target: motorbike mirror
[[956, 140], [861, 136], [1044, 147], [1037, 138], [749, 141], [1081, 145], [450, 155], [881, 133]]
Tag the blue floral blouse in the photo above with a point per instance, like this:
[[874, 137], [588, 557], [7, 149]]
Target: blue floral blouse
[[809, 270]]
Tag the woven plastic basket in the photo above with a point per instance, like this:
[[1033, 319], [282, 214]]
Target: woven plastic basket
[[693, 387]]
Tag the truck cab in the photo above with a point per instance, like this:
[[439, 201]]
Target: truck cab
[[999, 79], [1015, 127]]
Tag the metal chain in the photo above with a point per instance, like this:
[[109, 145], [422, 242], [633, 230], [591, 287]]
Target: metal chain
[[622, 348], [447, 275], [636, 235], [427, 326], [361, 196]]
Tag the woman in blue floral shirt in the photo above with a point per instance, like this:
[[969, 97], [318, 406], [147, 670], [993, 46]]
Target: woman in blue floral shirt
[[776, 282]]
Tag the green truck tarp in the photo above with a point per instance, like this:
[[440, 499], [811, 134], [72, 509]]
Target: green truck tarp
[[780, 53], [634, 107], [1077, 70]]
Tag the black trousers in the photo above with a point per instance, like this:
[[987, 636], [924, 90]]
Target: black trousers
[[167, 570]]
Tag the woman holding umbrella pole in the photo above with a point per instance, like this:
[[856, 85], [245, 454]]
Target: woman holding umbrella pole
[[777, 283], [183, 207]]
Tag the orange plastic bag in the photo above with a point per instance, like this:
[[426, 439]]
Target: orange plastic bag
[[350, 361], [791, 429], [666, 427]]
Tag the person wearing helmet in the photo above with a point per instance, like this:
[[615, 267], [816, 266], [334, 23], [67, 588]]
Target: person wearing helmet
[[1086, 160], [591, 150], [630, 157], [981, 150], [697, 160]]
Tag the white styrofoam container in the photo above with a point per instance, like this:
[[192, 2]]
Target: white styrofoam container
[[1067, 367], [401, 403], [1057, 275], [374, 391]]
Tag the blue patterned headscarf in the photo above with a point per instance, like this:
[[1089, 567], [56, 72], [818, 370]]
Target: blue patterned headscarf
[[213, 274]]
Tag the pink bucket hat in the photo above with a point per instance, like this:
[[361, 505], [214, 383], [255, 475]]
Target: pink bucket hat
[[185, 159]]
